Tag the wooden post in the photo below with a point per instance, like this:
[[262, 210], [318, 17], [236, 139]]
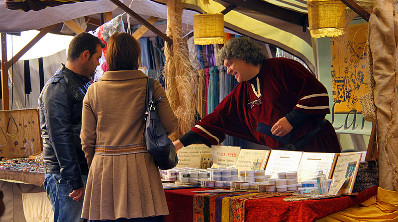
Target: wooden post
[[373, 151], [108, 16], [4, 73], [74, 26]]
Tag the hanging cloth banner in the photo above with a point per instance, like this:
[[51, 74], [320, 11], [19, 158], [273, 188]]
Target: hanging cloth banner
[[383, 42], [41, 73], [28, 86]]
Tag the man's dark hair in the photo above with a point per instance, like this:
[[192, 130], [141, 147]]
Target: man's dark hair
[[82, 42]]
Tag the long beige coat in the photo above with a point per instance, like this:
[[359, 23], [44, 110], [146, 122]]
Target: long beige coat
[[123, 180]]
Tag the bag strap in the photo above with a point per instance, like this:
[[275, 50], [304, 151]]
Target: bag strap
[[149, 92]]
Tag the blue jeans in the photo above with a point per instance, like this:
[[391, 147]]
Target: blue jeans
[[144, 219], [64, 207]]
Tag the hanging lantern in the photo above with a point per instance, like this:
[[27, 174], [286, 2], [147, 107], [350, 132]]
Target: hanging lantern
[[208, 29], [326, 18]]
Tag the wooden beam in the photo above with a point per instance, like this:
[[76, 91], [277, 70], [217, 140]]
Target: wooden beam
[[228, 9], [92, 21], [74, 26], [271, 10], [32, 42], [141, 31], [108, 16], [4, 73], [357, 9], [142, 21]]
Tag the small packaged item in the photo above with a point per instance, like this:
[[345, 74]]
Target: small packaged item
[[291, 175], [219, 183], [262, 188], [245, 186], [270, 188], [259, 173], [291, 181], [281, 182], [282, 188], [260, 179], [272, 182], [282, 175], [292, 187]]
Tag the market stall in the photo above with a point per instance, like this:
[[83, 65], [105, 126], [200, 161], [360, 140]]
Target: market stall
[[182, 202]]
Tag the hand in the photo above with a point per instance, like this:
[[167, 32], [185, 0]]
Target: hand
[[178, 145], [281, 128], [77, 194]]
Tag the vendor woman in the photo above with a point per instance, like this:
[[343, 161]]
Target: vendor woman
[[277, 103]]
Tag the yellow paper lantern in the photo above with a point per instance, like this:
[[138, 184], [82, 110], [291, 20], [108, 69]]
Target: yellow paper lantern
[[326, 18], [208, 29]]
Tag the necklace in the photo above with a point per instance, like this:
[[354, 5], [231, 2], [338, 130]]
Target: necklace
[[257, 93], [8, 127]]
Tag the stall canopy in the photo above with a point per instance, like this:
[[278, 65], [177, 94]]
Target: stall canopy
[[282, 23]]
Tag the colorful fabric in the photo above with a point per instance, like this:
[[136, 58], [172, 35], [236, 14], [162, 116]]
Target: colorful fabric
[[260, 207], [285, 85], [238, 203], [207, 74], [200, 55], [180, 202], [198, 207], [211, 59], [219, 206], [237, 210], [205, 206], [213, 90], [382, 207], [105, 31], [213, 207], [276, 209], [225, 209]]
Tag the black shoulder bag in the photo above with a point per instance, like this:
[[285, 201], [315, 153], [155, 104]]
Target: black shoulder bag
[[157, 142]]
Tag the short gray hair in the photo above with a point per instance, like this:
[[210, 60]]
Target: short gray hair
[[242, 48]]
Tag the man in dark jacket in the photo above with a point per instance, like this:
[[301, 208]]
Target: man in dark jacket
[[60, 122]]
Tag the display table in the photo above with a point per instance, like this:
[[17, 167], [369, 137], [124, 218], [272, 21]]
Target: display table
[[14, 185], [185, 205], [183, 208], [22, 177]]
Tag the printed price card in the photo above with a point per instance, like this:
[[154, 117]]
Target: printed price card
[[282, 161], [252, 159], [192, 155], [225, 156], [344, 174], [311, 162]]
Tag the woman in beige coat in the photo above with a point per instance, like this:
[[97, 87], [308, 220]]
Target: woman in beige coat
[[123, 182]]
